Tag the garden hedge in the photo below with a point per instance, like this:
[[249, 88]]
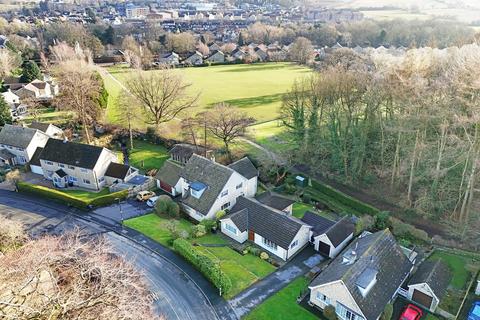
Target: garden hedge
[[59, 196], [344, 199], [208, 267]]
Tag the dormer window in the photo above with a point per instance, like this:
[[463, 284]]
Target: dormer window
[[366, 280], [197, 189]]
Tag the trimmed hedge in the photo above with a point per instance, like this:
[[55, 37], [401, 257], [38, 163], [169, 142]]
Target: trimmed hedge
[[344, 199], [59, 196], [209, 268]]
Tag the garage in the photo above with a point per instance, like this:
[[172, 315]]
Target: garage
[[324, 248], [166, 187], [422, 298]]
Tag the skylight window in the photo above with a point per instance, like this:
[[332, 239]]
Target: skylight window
[[197, 189], [367, 280]]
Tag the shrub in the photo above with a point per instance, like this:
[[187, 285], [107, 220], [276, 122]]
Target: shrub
[[208, 267], [402, 229], [382, 220], [306, 198], [365, 222], [198, 231], [255, 251], [329, 313], [12, 234], [290, 188], [208, 224], [387, 312], [220, 214], [166, 206], [264, 256]]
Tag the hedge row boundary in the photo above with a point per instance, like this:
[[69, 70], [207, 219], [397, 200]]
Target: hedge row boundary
[[209, 268], [59, 196]]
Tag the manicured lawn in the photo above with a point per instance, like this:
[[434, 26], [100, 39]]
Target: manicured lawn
[[147, 156], [86, 195], [256, 89], [271, 134], [457, 266], [243, 270], [300, 208], [282, 305], [153, 227]]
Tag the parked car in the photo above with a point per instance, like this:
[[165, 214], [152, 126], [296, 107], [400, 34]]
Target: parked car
[[474, 313], [145, 195], [411, 312], [151, 202]]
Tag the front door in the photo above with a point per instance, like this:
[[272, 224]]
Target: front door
[[251, 235]]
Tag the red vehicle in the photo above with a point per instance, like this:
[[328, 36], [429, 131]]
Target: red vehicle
[[411, 312]]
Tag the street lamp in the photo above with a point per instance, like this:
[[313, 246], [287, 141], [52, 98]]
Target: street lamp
[[121, 212]]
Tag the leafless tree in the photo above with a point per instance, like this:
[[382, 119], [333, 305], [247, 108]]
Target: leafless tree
[[8, 62], [129, 112], [70, 278], [301, 50], [12, 234], [227, 123], [163, 94], [79, 92]]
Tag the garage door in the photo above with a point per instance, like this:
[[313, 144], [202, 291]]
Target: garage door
[[166, 187], [422, 298], [324, 248]]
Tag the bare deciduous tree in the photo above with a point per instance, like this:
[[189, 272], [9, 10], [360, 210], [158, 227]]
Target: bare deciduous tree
[[163, 94], [226, 123], [302, 50], [8, 62], [12, 234], [70, 278], [129, 112]]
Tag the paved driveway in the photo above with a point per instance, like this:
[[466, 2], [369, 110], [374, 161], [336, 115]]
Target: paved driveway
[[175, 294], [121, 211], [247, 300]]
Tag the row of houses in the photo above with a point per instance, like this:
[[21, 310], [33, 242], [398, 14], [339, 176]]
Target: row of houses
[[37, 90], [365, 273], [64, 164], [252, 52]]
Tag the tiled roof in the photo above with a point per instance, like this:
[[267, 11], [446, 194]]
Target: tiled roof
[[269, 223], [340, 231], [17, 136], [319, 224], [434, 273], [117, 170], [71, 153], [378, 251], [274, 200], [245, 167], [169, 173]]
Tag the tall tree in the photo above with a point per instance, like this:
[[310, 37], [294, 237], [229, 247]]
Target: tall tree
[[8, 62], [80, 92], [129, 112], [30, 72], [301, 50], [163, 94], [5, 112], [227, 123]]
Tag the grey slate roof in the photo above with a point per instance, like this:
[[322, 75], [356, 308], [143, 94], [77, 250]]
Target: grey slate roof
[[210, 173], [245, 167], [71, 153], [274, 200], [35, 161], [42, 126], [169, 173], [434, 273], [319, 224], [185, 150], [340, 231], [61, 173], [17, 136], [271, 224], [378, 251], [117, 170]]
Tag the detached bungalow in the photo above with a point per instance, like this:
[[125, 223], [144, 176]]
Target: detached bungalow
[[273, 230], [276, 201], [195, 59], [364, 279], [216, 57], [429, 284]]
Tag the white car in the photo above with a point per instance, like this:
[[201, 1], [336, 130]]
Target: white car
[[151, 202]]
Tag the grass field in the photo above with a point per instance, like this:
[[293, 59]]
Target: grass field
[[256, 89], [282, 305], [243, 270], [147, 156]]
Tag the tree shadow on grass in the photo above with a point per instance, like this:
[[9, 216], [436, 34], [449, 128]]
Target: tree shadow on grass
[[263, 67], [253, 102]]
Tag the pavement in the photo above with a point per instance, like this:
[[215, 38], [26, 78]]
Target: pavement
[[300, 265], [178, 290]]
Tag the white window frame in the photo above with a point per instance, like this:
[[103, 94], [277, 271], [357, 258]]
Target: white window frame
[[239, 186], [86, 181], [294, 244], [270, 244], [225, 205], [231, 228], [224, 193]]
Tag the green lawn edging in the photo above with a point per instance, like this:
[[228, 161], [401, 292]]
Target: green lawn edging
[[59, 196], [205, 264]]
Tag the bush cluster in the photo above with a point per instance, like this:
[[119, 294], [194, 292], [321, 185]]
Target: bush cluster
[[206, 265], [166, 206], [405, 230], [59, 196]]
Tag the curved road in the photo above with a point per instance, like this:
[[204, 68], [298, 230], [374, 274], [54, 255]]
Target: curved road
[[175, 295]]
